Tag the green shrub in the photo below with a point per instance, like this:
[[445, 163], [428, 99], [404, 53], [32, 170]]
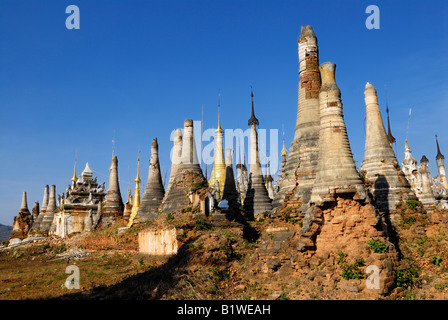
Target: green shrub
[[377, 245], [200, 184], [201, 224], [408, 221], [341, 257], [406, 277], [59, 249], [169, 217], [412, 204], [436, 260], [350, 270]]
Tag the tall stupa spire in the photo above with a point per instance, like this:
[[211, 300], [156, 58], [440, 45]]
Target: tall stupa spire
[[113, 206], [257, 200], [441, 166], [154, 192], [336, 172], [219, 164], [390, 185], [47, 220], [300, 169], [136, 202]]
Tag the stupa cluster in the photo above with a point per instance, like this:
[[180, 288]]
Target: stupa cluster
[[318, 171]]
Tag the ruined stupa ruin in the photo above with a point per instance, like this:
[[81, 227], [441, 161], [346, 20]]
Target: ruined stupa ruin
[[113, 205], [48, 217], [188, 177], [23, 220], [154, 192], [300, 169]]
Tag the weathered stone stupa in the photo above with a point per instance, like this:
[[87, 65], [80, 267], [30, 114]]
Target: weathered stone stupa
[[230, 192], [22, 221], [113, 206], [257, 200], [380, 166], [241, 176], [426, 196], [410, 167], [37, 222], [48, 218], [300, 170], [441, 167], [128, 207], [188, 177], [35, 211], [154, 192], [176, 155], [336, 171]]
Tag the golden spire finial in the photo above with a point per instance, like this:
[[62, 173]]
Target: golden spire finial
[[137, 179], [136, 203], [284, 152], [74, 178], [113, 153], [219, 111]]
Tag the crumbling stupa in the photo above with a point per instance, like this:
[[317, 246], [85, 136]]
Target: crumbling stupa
[[230, 193], [300, 169], [113, 206], [154, 192], [47, 220], [188, 177], [37, 221], [22, 222]]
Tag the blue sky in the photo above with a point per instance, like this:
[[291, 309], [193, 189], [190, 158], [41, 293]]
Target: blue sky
[[135, 70]]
